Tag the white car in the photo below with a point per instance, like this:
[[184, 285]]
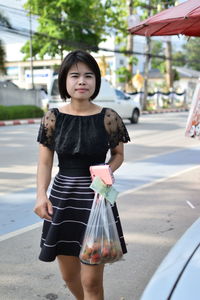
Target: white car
[[124, 97], [178, 276], [126, 106]]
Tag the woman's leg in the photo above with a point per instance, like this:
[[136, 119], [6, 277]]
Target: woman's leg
[[70, 268], [92, 281]]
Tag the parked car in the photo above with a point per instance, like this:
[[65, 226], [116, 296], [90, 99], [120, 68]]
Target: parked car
[[126, 106], [177, 278], [122, 96]]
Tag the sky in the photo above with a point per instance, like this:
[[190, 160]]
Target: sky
[[14, 11]]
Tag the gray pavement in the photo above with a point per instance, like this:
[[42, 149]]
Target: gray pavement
[[153, 217]]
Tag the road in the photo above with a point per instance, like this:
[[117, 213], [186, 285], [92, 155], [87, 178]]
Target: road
[[159, 188]]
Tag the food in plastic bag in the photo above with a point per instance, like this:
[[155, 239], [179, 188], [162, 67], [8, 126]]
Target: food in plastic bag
[[101, 242]]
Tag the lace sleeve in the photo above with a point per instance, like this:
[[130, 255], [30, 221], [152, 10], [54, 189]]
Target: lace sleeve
[[115, 128], [46, 130]]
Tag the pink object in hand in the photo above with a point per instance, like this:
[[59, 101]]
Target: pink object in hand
[[104, 172]]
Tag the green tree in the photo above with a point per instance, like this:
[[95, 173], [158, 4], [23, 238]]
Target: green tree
[[117, 17], [124, 75], [157, 50], [65, 25], [3, 22], [191, 51], [179, 58], [188, 55], [2, 58], [168, 50]]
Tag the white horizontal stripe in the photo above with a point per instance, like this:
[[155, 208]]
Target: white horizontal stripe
[[68, 221], [71, 192], [59, 175], [71, 183], [120, 237], [73, 180], [71, 207], [81, 193], [80, 179], [68, 199], [48, 220], [72, 221], [61, 241], [72, 187]]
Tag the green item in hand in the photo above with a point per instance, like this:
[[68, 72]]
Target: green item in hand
[[108, 192]]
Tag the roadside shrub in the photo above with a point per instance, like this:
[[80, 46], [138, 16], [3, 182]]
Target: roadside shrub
[[20, 112]]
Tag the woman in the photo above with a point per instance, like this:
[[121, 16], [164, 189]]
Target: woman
[[81, 133]]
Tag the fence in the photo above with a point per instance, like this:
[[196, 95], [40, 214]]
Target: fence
[[164, 100]]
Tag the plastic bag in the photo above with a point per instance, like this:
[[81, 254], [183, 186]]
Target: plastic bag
[[193, 122], [101, 242]]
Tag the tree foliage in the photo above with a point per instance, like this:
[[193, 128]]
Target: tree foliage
[[156, 62], [65, 25], [124, 75], [191, 51], [179, 58], [3, 21], [2, 58]]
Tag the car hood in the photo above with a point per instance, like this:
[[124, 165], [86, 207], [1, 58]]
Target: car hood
[[171, 271], [188, 286]]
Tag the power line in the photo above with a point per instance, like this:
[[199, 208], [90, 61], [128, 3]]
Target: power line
[[17, 11], [13, 8], [80, 44], [26, 12]]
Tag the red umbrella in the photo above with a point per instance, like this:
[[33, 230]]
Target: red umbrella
[[181, 19]]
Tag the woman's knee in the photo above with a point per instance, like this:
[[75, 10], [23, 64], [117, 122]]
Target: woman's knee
[[92, 278], [91, 284], [70, 277], [70, 269]]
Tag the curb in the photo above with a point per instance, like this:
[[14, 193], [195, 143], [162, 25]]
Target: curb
[[162, 111], [20, 122], [37, 121]]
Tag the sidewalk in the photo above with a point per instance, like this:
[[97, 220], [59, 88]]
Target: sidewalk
[[38, 120], [153, 218]]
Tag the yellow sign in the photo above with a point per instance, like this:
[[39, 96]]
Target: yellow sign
[[138, 81]]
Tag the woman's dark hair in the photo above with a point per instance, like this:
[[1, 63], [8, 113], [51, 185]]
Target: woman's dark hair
[[71, 59]]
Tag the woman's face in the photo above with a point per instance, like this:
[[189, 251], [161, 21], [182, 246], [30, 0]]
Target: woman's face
[[80, 82]]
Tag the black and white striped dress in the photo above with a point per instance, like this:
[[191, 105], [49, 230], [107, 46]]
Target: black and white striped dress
[[80, 141]]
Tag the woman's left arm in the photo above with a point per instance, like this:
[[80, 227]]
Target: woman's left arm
[[117, 157]]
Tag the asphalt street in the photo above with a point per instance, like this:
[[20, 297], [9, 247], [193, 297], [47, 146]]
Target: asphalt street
[[159, 199]]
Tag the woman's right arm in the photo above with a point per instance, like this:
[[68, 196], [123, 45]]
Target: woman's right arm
[[43, 207]]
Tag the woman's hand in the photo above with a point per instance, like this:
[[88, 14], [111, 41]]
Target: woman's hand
[[44, 209]]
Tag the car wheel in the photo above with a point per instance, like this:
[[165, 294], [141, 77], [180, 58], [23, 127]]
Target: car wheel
[[135, 116]]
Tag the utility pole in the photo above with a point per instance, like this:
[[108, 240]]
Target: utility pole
[[147, 61], [31, 50], [169, 72], [129, 85], [168, 54]]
